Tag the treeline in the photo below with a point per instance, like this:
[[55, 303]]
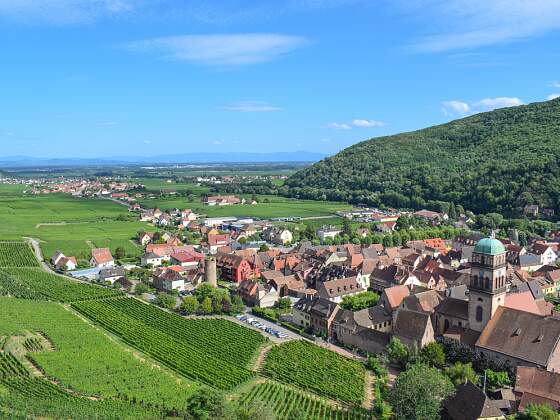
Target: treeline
[[498, 161]]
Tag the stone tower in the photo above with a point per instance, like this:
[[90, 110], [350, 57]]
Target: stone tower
[[210, 271], [487, 289]]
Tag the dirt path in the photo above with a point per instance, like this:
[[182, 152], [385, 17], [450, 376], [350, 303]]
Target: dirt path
[[370, 397], [39, 254], [261, 357]]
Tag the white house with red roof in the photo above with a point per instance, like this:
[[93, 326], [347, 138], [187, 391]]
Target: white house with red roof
[[102, 258]]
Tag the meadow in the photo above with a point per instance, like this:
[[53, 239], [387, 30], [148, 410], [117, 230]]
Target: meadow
[[85, 360], [63, 222]]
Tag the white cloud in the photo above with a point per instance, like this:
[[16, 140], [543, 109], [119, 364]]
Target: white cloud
[[460, 108], [455, 108], [63, 11], [108, 123], [466, 24], [554, 84], [488, 104], [251, 106], [217, 142], [147, 142], [367, 123], [358, 122], [220, 49], [339, 126], [553, 96]]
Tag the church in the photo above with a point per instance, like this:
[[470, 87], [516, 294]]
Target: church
[[497, 324]]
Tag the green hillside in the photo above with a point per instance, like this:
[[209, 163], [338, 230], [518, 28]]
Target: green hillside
[[494, 161]]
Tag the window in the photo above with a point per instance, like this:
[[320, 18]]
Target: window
[[487, 283], [479, 311]]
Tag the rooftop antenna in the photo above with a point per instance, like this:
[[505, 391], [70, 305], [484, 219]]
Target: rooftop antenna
[[493, 234]]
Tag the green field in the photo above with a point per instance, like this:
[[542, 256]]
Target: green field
[[86, 360], [274, 207], [317, 370], [70, 224], [289, 403], [212, 351]]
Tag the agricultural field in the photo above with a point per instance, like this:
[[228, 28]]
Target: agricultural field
[[34, 283], [17, 254], [70, 224], [210, 351], [317, 370], [84, 360], [268, 206], [25, 396], [289, 403]]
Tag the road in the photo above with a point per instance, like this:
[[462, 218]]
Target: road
[[39, 254]]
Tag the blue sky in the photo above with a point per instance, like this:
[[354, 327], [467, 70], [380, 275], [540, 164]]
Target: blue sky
[[90, 78]]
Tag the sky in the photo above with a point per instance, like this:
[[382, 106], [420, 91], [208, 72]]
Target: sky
[[107, 78]]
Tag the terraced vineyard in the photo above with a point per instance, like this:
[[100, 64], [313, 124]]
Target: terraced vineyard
[[17, 254], [34, 283], [203, 350], [287, 403], [317, 370], [84, 359], [25, 396]]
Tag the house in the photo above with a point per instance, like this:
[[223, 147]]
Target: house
[[413, 328], [537, 386], [335, 290], [471, 403], [149, 258], [530, 262], [328, 232], [367, 330], [217, 240], [188, 215], [168, 280], [62, 262], [165, 251], [186, 259], [277, 235], [520, 338], [102, 258], [111, 274], [392, 297], [315, 313], [545, 252], [221, 200], [531, 210], [431, 216], [145, 238], [236, 268], [386, 227]]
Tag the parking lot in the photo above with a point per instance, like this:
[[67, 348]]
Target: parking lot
[[273, 331]]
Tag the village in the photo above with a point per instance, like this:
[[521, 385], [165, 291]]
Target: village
[[491, 299]]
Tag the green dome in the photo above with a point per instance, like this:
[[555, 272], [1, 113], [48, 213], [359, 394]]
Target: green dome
[[489, 246]]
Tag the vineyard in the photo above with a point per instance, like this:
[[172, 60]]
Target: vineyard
[[86, 360], [318, 370], [34, 283], [29, 396], [288, 403], [17, 254], [209, 360]]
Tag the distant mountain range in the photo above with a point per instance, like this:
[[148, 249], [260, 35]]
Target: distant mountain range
[[497, 161], [188, 158]]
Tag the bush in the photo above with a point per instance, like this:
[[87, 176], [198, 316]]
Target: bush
[[266, 313], [397, 352], [460, 373], [433, 355]]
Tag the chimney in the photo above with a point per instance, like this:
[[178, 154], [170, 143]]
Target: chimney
[[210, 271]]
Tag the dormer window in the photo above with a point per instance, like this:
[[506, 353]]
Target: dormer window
[[517, 332], [540, 338]]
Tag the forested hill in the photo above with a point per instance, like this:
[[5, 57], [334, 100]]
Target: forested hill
[[496, 161]]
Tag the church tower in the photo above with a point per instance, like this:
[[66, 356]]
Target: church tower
[[487, 289]]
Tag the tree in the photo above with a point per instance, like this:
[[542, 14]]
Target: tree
[[242, 240], [376, 366], [360, 301], [433, 354], [206, 404], [120, 252], [255, 410], [496, 379], [397, 352], [419, 392], [264, 248], [190, 305], [141, 288], [165, 300], [452, 212], [284, 304], [237, 304], [460, 373], [205, 307], [388, 241], [203, 291], [537, 412]]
